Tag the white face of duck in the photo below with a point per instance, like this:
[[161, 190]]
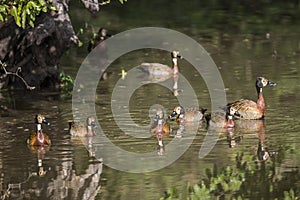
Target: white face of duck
[[175, 55], [263, 82], [178, 111], [91, 122], [40, 119], [233, 111]]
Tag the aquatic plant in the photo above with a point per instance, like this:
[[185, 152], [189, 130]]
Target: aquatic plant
[[241, 181], [66, 83]]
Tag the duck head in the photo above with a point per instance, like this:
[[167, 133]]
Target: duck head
[[40, 119], [103, 34], [160, 115], [263, 82], [176, 54], [91, 122], [177, 111], [232, 111]]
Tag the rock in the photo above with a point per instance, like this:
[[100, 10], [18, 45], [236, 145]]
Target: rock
[[37, 50]]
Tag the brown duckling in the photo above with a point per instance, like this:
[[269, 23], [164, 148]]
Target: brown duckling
[[249, 109], [157, 69], [187, 115], [160, 125], [222, 119], [160, 128], [39, 138], [81, 129]]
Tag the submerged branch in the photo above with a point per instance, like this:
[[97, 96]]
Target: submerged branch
[[16, 74]]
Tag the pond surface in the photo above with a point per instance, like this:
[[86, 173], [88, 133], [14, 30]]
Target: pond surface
[[243, 46]]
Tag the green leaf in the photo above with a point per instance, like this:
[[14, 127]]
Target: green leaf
[[14, 13], [31, 23], [42, 3], [24, 18], [44, 9], [80, 43]]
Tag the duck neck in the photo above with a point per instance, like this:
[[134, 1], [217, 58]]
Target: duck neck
[[159, 129], [260, 100], [89, 130], [230, 123], [175, 66], [40, 135]]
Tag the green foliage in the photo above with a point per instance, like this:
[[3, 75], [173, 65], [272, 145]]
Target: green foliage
[[290, 195], [66, 83], [240, 181], [24, 11], [227, 182], [170, 194]]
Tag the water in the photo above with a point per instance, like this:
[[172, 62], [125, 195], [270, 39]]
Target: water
[[241, 53]]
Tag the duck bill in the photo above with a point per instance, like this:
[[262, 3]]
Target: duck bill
[[179, 56], [94, 124], [45, 122], [271, 83], [173, 115]]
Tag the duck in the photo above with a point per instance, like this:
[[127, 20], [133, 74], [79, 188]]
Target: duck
[[157, 69], [82, 129], [160, 128], [249, 109], [160, 125], [98, 38], [187, 115], [39, 138], [222, 119]]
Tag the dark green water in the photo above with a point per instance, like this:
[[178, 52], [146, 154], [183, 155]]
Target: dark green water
[[236, 38]]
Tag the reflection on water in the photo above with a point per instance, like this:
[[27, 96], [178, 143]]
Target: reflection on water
[[68, 170]]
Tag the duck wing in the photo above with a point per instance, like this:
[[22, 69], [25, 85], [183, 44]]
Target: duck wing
[[247, 109], [156, 69]]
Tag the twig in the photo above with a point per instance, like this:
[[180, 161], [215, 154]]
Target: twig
[[16, 74]]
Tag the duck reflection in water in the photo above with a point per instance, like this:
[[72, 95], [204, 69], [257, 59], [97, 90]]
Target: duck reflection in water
[[175, 85], [232, 139], [262, 153], [40, 152]]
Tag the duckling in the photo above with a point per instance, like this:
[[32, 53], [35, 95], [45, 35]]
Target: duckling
[[39, 138], [160, 128], [82, 130], [249, 109], [222, 119], [188, 115], [157, 69], [160, 125]]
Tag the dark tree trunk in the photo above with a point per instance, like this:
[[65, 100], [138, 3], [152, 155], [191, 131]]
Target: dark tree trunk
[[37, 50]]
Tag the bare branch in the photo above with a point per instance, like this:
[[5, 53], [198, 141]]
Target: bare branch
[[3, 65]]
